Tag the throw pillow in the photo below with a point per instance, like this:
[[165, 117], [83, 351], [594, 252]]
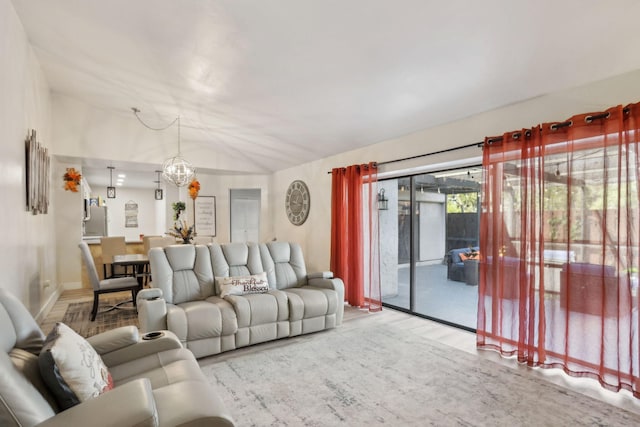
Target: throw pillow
[[242, 285], [71, 368]]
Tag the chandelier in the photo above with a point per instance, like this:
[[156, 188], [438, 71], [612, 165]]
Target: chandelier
[[176, 170]]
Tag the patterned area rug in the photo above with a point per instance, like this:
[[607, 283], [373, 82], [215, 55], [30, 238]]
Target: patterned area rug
[[372, 373], [78, 314]]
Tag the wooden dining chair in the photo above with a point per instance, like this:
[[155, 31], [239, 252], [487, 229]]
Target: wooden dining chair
[[154, 242], [100, 287], [161, 242], [112, 246]]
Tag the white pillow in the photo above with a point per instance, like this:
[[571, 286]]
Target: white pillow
[[243, 285], [71, 368]]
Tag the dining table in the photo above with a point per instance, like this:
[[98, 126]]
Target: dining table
[[139, 262]]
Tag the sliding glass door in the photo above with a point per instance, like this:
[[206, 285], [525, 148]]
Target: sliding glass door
[[429, 243]]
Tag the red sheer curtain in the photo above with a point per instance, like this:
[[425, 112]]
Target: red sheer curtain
[[560, 225], [354, 234]]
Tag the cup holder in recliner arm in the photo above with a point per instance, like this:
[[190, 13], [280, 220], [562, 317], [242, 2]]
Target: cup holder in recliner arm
[[153, 335]]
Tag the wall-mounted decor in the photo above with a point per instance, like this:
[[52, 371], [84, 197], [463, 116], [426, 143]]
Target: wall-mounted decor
[[131, 214], [297, 202], [204, 211], [194, 189], [72, 180], [37, 165]]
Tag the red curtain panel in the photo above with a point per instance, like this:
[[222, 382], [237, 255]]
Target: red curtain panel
[[354, 234], [560, 225]]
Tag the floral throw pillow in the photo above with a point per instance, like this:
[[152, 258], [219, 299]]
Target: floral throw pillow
[[243, 285], [71, 368]]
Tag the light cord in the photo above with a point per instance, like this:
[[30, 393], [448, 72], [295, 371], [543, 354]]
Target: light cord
[[177, 119]]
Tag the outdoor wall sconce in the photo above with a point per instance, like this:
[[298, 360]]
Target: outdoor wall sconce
[[383, 202]]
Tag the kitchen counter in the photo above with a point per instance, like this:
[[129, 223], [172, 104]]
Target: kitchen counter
[[95, 240]]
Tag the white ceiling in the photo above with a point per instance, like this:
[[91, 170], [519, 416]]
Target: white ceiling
[[285, 82]]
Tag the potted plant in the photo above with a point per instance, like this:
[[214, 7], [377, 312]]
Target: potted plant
[[178, 208], [182, 230]]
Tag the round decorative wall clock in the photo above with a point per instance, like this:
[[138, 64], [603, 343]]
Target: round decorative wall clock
[[297, 202]]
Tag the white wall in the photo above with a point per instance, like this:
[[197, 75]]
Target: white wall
[[149, 211], [315, 234], [220, 186], [68, 228], [27, 246]]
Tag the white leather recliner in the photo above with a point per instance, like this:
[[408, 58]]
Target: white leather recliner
[[157, 382]]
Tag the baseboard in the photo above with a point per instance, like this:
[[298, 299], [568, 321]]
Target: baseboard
[[46, 308], [72, 285]]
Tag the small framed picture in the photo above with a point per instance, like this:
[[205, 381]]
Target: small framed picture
[[111, 192], [158, 193]]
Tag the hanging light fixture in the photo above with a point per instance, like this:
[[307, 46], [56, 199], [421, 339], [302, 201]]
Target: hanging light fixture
[[158, 190], [176, 170], [111, 190]]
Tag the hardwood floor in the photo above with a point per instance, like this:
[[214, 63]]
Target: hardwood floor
[[444, 334]]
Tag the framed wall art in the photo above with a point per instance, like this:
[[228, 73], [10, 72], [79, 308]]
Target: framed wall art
[[204, 212], [131, 214]]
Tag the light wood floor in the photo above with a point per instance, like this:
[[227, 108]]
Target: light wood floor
[[444, 334]]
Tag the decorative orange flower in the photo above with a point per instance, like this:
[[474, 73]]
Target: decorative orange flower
[[194, 188], [71, 180]]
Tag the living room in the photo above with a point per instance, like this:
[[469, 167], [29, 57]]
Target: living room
[[40, 257]]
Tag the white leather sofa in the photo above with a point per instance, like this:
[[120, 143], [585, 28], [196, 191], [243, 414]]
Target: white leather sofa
[[157, 382], [185, 297]]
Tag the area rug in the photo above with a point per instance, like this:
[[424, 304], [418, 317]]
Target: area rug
[[78, 316], [376, 374]]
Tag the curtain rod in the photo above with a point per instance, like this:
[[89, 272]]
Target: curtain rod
[[554, 126], [446, 150]]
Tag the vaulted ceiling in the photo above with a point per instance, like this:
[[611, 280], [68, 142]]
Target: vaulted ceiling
[[285, 82]]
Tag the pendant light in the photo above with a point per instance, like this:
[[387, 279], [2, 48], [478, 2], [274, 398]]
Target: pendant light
[[176, 170], [111, 190], [158, 190]]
